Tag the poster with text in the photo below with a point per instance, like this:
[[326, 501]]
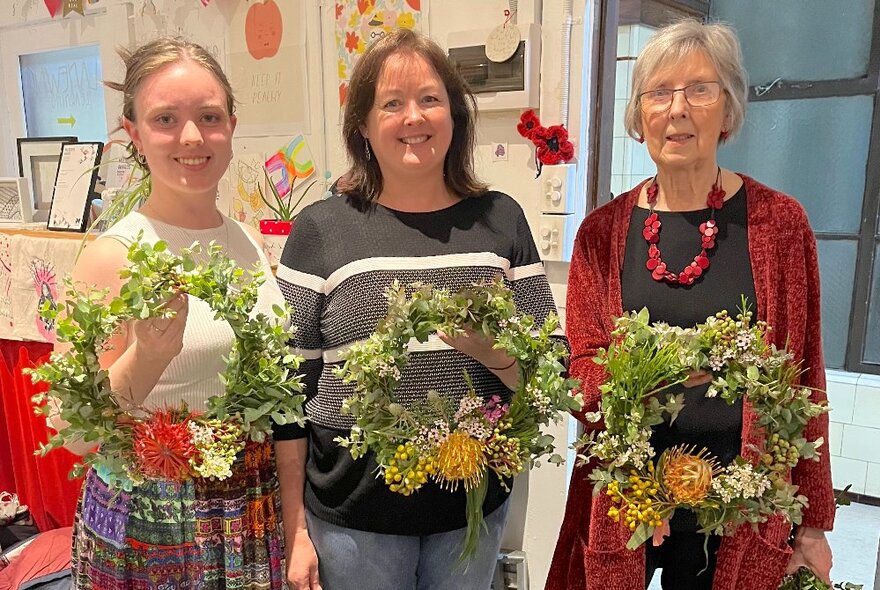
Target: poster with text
[[362, 22], [267, 66]]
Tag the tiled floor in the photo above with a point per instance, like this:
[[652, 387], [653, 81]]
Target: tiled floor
[[854, 543]]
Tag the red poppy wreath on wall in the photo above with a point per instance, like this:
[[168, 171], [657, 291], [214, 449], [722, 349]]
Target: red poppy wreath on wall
[[551, 143]]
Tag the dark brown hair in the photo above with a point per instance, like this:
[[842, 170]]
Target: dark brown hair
[[364, 179]]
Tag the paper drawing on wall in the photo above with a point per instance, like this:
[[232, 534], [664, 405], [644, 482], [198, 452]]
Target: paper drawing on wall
[[246, 177], [15, 201], [267, 67], [43, 273], [288, 165], [361, 22], [5, 280], [263, 29]]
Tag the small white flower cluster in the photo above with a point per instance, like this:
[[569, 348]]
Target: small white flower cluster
[[431, 437], [468, 405], [387, 369], [476, 427], [740, 481], [619, 452], [744, 339], [214, 459], [719, 356], [540, 402]]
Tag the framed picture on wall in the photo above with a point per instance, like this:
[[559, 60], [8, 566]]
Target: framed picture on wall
[[74, 185], [15, 201], [38, 164]]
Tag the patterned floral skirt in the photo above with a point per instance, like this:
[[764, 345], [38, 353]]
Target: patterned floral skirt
[[199, 534]]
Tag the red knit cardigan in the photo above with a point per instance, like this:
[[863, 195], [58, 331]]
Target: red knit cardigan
[[591, 553]]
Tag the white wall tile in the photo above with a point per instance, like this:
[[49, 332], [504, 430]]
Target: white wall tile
[[861, 443], [617, 186], [841, 398], [866, 410], [619, 111], [846, 472], [618, 156], [621, 79], [623, 37], [867, 379], [872, 483], [643, 33], [841, 376], [835, 437]]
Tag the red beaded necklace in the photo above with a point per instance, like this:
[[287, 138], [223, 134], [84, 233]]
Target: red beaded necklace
[[708, 232]]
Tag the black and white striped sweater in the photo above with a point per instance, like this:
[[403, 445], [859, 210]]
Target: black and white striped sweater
[[335, 268]]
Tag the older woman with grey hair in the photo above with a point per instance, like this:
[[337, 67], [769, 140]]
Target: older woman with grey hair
[[688, 96]]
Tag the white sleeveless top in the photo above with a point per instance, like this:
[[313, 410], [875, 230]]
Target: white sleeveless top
[[193, 375]]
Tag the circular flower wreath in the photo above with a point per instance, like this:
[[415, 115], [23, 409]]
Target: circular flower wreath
[[438, 439], [261, 385], [642, 361]]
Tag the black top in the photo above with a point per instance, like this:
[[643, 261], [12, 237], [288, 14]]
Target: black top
[[704, 422], [336, 265]]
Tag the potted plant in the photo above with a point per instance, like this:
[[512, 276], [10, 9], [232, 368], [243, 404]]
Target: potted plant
[[276, 230]]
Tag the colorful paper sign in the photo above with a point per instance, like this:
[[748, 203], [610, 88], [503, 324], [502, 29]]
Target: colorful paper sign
[[289, 164], [362, 22]]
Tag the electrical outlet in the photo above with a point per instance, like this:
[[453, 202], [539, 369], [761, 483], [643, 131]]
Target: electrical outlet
[[556, 181], [551, 235]]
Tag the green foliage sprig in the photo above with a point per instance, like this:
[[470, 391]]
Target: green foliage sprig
[[643, 360], [456, 443], [261, 384], [804, 579]]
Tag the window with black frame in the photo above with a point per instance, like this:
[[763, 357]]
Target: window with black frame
[[812, 130]]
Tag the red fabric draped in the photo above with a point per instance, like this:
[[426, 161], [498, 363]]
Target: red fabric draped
[[40, 482]]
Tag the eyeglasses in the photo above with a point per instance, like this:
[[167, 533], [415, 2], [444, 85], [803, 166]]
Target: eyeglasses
[[701, 94]]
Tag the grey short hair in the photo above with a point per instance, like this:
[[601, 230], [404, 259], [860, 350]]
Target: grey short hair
[[678, 40]]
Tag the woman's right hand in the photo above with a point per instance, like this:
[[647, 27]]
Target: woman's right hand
[[161, 339], [302, 563], [696, 378]]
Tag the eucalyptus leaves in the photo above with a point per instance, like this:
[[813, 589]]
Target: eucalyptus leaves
[[642, 361], [456, 443], [261, 384]]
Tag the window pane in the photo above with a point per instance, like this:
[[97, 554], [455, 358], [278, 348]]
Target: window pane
[[814, 150], [872, 335], [63, 93], [800, 39], [837, 265]]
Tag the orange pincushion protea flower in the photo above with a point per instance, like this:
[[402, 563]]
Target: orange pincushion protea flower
[[687, 476], [163, 445], [461, 458]]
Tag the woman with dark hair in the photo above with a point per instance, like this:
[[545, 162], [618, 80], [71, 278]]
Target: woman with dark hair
[[410, 209]]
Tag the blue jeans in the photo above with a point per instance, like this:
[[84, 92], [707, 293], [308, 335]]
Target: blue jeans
[[349, 559]]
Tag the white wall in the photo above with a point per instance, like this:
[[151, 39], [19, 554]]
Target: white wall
[[854, 437]]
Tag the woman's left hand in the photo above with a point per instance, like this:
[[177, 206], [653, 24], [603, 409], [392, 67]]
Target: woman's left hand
[[478, 347], [811, 550]]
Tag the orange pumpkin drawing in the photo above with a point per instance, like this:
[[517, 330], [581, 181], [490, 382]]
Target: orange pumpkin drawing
[[262, 29]]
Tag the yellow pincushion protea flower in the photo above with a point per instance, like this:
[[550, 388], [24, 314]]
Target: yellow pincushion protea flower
[[687, 476], [461, 458]]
